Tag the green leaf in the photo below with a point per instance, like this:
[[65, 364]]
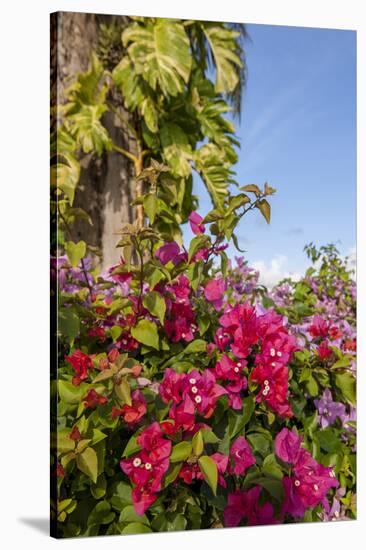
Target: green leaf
[[116, 332], [347, 384], [209, 436], [155, 304], [150, 203], [68, 324], [196, 346], [75, 252], [160, 51], [128, 515], [132, 447], [101, 514], [213, 166], [222, 42], [265, 209], [146, 332], [64, 443], [134, 528], [209, 469], [270, 467], [88, 129], [238, 421], [198, 242], [328, 440], [273, 486], [69, 393], [98, 490], [197, 443], [181, 451], [87, 462], [176, 149], [172, 473]]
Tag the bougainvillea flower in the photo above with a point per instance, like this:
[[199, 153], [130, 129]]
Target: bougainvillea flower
[[142, 499], [324, 351], [203, 391], [147, 468], [222, 339], [214, 291], [168, 252], [319, 327], [134, 412], [241, 323], [171, 387], [183, 414], [328, 409], [245, 505], [273, 388], [287, 445], [222, 462], [94, 399], [195, 221], [241, 456], [80, 362]]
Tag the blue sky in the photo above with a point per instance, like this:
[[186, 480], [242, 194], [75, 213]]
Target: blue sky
[[298, 132]]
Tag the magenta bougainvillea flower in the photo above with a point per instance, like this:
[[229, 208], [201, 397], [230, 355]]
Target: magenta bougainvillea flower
[[195, 221], [214, 291], [168, 252], [180, 322], [146, 469], [287, 445], [241, 456], [231, 372], [245, 505], [319, 327], [309, 481], [80, 362]]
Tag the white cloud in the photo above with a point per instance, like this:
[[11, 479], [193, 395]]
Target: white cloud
[[272, 272]]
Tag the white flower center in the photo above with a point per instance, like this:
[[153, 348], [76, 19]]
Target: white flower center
[[194, 389], [137, 462], [266, 383], [297, 483], [315, 487], [198, 399], [192, 380], [239, 364], [148, 466], [236, 369], [279, 354], [272, 352], [183, 335]]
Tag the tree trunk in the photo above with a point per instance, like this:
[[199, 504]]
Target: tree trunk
[[104, 190]]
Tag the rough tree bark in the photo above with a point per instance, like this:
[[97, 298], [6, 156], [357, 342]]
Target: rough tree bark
[[104, 189]]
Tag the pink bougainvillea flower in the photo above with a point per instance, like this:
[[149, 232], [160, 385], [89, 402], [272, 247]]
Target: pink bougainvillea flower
[[195, 221], [113, 355], [241, 456], [142, 499], [319, 327], [168, 252], [222, 339], [94, 399], [309, 481], [221, 461], [335, 333], [231, 372], [324, 351], [134, 412], [273, 388], [241, 323], [183, 414], [98, 333], [147, 468], [203, 391], [214, 291], [245, 505], [171, 387], [287, 445], [180, 319], [80, 362]]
